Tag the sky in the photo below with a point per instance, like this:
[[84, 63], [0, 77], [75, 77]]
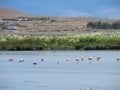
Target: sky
[[72, 8]]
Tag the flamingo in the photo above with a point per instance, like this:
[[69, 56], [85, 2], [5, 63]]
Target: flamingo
[[34, 63], [90, 58], [67, 59], [98, 58], [21, 60], [11, 59], [82, 58], [118, 58], [42, 59], [77, 59]]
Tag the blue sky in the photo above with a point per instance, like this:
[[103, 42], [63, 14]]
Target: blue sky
[[94, 8]]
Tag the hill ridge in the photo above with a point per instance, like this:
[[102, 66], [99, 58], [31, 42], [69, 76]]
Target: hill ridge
[[12, 13]]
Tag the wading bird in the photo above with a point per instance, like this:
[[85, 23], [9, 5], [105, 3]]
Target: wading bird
[[98, 58], [11, 59], [21, 60], [77, 59], [67, 59], [82, 58], [42, 59], [90, 58], [34, 63], [118, 59]]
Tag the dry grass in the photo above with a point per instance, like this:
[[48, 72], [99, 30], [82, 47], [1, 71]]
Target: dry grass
[[61, 24]]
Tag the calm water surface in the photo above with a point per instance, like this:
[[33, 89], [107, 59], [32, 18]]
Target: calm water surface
[[65, 75]]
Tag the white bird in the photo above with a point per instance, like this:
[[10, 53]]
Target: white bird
[[77, 59], [90, 58], [21, 60]]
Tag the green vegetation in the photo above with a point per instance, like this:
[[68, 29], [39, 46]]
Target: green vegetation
[[27, 19], [92, 41], [100, 25], [20, 25], [40, 18], [3, 26], [10, 19]]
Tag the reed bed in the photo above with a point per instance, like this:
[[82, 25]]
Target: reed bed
[[91, 41]]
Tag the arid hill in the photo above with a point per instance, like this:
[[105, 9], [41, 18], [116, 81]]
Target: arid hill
[[35, 24], [12, 13]]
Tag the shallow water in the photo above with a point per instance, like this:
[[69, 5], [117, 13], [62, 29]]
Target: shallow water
[[65, 75]]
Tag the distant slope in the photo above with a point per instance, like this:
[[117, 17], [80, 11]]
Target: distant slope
[[11, 13], [62, 25]]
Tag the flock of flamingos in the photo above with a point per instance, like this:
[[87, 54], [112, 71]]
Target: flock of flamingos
[[67, 59]]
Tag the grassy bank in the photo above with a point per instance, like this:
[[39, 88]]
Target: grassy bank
[[93, 41]]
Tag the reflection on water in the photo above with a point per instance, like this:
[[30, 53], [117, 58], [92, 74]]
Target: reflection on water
[[103, 74]]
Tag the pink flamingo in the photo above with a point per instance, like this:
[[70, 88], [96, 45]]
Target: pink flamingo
[[77, 59], [98, 58], [90, 58], [118, 59], [21, 60], [67, 59]]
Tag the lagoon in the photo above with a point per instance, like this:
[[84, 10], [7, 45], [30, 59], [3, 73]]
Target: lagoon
[[65, 75]]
